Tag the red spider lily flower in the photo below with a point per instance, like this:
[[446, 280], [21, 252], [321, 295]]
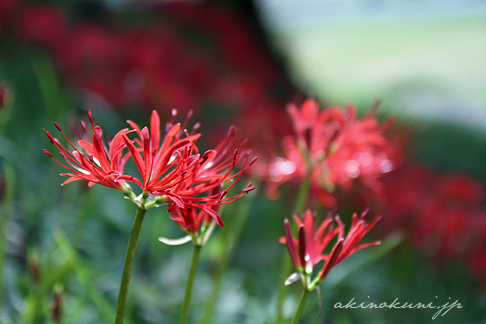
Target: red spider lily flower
[[190, 218], [162, 163], [210, 172], [198, 220], [197, 223], [99, 164], [334, 147], [307, 250], [177, 170]]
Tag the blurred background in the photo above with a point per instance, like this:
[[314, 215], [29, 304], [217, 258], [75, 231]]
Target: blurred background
[[241, 62]]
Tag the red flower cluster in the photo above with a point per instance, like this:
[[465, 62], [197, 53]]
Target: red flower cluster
[[333, 147], [154, 64], [307, 250], [444, 214], [170, 166]]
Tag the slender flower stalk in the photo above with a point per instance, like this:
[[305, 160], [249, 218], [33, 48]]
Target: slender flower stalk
[[240, 214], [127, 267], [199, 224], [6, 199], [189, 284], [300, 309], [286, 262]]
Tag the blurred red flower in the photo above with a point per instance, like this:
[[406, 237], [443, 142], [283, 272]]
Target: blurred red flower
[[7, 7], [41, 24], [333, 147], [195, 55], [443, 213]]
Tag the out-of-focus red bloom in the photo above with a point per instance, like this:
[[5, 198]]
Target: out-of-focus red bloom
[[5, 94], [57, 304], [307, 250], [41, 24], [173, 167], [7, 7], [99, 164], [444, 214], [90, 58], [233, 35], [195, 55], [333, 147]]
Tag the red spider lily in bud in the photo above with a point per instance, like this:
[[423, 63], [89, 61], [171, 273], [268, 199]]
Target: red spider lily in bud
[[99, 164], [197, 223], [190, 218], [35, 267], [57, 304], [4, 96], [333, 147], [307, 250]]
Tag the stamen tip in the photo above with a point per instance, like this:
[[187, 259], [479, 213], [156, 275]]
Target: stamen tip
[[57, 126], [47, 152]]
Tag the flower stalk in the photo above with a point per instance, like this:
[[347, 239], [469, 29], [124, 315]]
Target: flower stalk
[[286, 262], [300, 309], [190, 283], [127, 266], [5, 210]]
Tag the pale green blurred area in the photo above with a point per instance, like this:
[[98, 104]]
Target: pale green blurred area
[[422, 58]]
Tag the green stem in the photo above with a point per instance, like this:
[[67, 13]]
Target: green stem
[[230, 242], [6, 203], [127, 267], [282, 289], [286, 263], [190, 282], [302, 195], [213, 298], [303, 300]]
